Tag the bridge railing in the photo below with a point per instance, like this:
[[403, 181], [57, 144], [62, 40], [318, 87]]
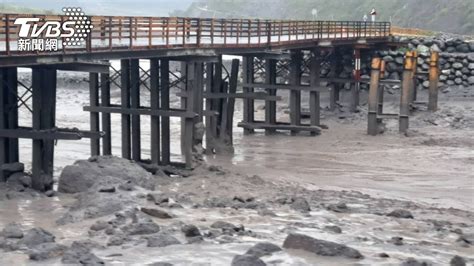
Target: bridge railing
[[112, 33]]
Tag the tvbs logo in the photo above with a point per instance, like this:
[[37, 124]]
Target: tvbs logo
[[38, 35]]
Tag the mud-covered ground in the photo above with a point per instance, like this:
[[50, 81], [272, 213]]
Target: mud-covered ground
[[342, 198]]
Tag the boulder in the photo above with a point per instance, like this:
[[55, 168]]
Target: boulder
[[399, 60], [141, 228], [338, 207], [162, 240], [457, 65], [263, 249], [400, 213], [300, 204], [397, 241], [11, 168], [117, 240], [247, 260], [457, 261], [9, 244], [435, 48], [388, 58], [36, 236], [426, 84], [413, 262], [451, 49], [80, 251], [333, 228], [463, 48], [191, 231], [47, 251], [82, 175], [423, 48], [12, 230], [225, 226], [470, 80], [99, 226], [157, 213], [320, 247], [91, 259], [19, 179], [415, 41]]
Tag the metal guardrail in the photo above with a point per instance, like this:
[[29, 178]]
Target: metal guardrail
[[137, 33]]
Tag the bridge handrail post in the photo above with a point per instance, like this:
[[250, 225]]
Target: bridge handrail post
[[110, 32], [7, 34], [198, 34], [150, 31], [269, 32], [212, 31], [130, 31], [167, 32]]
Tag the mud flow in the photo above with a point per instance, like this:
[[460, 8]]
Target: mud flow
[[341, 198]]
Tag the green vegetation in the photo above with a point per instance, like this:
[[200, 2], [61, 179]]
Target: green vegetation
[[456, 16]]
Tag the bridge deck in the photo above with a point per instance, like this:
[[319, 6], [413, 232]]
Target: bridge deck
[[128, 37]]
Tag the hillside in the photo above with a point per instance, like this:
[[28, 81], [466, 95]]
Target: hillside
[[455, 16], [99, 7]]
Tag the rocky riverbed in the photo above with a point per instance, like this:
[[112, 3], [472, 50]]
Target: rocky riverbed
[[123, 213]]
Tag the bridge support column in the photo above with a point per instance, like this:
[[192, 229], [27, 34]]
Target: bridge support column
[[191, 135], [165, 105], [187, 124], [414, 90], [135, 103], [372, 128], [44, 116], [226, 133], [198, 98], [314, 96], [295, 95], [335, 70], [211, 127], [94, 116], [219, 87], [355, 88], [155, 105], [9, 150], [434, 80], [106, 118], [270, 106], [249, 104], [407, 87], [125, 104], [381, 89]]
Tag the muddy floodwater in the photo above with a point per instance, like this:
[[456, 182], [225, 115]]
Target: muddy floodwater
[[430, 171]]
